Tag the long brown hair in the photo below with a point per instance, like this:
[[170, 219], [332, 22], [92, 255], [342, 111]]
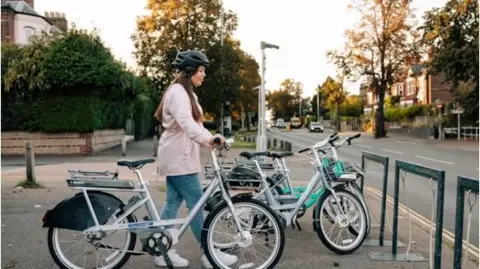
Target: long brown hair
[[186, 82]]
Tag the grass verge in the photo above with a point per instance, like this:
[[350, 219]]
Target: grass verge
[[26, 184]]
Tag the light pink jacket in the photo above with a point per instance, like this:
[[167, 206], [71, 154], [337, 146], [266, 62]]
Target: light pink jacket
[[179, 146]]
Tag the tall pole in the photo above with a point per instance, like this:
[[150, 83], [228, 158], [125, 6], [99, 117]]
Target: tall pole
[[318, 106], [222, 127], [300, 107], [261, 138]]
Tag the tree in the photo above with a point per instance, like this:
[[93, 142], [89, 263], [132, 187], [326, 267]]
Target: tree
[[313, 102], [335, 94], [378, 46], [248, 97], [65, 83], [294, 88], [23, 77], [282, 103], [74, 63], [173, 26], [352, 107], [11, 54], [285, 102], [451, 32], [222, 82]]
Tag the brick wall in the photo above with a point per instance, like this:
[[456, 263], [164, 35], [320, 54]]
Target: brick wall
[[8, 26], [13, 143]]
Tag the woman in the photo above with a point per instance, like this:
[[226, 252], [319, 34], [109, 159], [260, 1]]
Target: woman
[[178, 151]]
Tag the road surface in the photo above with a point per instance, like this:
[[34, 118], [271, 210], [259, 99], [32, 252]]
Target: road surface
[[419, 193]]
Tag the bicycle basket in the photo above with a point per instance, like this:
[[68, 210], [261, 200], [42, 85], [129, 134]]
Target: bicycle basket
[[243, 177]]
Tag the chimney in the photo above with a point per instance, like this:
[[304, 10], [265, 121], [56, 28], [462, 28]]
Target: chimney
[[58, 19], [31, 3]]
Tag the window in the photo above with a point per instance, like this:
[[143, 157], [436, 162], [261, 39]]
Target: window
[[410, 88], [29, 32], [400, 89], [5, 29]]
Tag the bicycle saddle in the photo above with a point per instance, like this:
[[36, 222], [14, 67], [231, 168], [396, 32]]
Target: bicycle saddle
[[136, 164], [250, 155], [280, 155]]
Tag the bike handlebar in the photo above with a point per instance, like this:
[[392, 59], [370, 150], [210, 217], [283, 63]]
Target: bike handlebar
[[332, 139], [348, 140]]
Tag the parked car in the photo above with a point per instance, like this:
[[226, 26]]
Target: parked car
[[315, 127], [280, 123]]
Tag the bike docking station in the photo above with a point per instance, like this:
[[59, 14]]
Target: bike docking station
[[437, 214], [383, 161], [466, 188]]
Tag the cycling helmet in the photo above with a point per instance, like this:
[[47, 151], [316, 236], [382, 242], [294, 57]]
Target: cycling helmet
[[190, 60]]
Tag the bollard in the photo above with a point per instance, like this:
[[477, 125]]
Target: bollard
[[124, 146], [289, 146], [282, 144], [274, 143], [30, 163], [269, 143], [464, 184], [382, 160]]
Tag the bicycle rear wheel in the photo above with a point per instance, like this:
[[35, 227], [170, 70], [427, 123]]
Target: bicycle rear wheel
[[116, 250]]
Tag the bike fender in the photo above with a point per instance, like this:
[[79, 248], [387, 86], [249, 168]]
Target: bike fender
[[73, 213]]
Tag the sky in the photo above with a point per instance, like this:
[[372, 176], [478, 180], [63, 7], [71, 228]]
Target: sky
[[303, 29]]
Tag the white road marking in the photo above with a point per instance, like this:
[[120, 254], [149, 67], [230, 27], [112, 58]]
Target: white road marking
[[364, 146], [392, 151], [404, 142], [435, 160]]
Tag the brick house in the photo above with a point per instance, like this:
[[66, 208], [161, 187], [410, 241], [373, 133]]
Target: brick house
[[415, 87], [20, 21]]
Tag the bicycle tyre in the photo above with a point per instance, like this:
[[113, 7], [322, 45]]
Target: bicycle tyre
[[318, 227], [120, 264], [236, 200], [357, 193]]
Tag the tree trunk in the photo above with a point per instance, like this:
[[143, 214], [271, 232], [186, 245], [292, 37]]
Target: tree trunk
[[339, 124], [380, 118]]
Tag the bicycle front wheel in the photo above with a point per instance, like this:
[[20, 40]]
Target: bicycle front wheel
[[333, 217], [263, 240]]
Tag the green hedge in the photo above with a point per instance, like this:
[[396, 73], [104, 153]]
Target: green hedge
[[405, 113], [143, 116], [64, 114]]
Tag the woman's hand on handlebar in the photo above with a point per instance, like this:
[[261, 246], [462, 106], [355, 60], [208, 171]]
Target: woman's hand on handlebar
[[217, 140]]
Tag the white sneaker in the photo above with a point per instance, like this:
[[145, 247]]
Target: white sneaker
[[177, 261], [225, 258]]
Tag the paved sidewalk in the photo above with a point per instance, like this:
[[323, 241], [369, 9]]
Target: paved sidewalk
[[24, 240]]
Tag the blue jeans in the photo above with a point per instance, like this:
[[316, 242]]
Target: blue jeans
[[188, 188]]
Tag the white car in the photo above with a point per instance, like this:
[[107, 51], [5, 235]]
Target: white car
[[315, 127]]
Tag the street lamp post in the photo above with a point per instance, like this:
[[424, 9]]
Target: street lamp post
[[318, 106], [261, 137]]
